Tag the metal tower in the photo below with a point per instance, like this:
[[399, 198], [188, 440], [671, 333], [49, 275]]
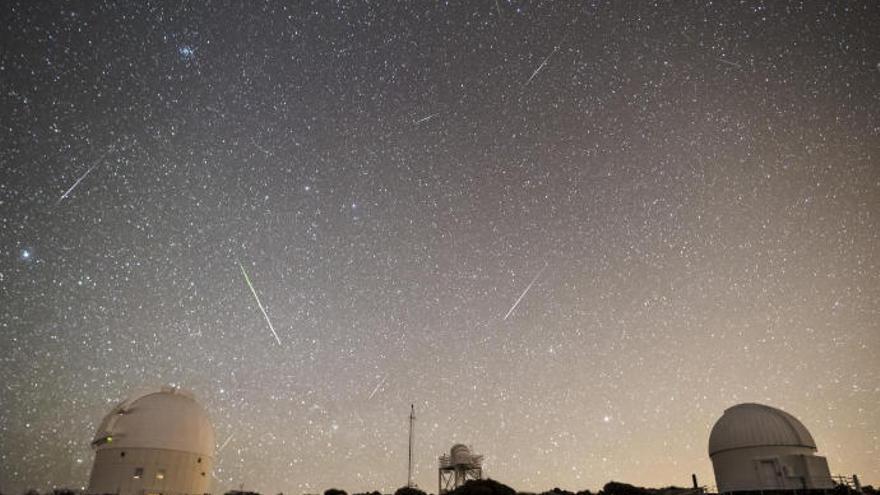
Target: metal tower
[[412, 420], [457, 467]]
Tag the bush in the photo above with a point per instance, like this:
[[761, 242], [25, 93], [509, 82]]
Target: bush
[[483, 487], [409, 490], [615, 488]]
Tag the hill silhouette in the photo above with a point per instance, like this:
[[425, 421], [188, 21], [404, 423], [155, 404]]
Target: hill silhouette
[[409, 490], [483, 487]]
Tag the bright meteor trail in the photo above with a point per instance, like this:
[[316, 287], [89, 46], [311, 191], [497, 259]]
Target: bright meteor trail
[[70, 190], [526, 291], [543, 63], [260, 304]]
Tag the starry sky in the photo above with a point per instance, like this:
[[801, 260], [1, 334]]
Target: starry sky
[[571, 233]]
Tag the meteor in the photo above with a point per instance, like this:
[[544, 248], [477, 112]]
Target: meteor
[[382, 382], [728, 62], [526, 291], [425, 119], [543, 63], [260, 304], [225, 443], [67, 192]]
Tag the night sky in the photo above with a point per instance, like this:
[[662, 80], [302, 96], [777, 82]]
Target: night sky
[[571, 234]]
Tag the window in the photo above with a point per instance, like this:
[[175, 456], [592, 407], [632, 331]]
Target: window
[[138, 472], [122, 454], [199, 460], [160, 474]]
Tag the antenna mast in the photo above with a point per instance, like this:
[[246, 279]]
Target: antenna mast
[[412, 420]]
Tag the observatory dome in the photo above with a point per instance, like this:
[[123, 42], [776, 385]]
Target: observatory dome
[[168, 419], [460, 454], [458, 467], [757, 425], [758, 448]]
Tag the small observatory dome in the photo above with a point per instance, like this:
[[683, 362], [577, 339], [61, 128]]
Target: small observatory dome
[[754, 447], [460, 455], [161, 442], [457, 468]]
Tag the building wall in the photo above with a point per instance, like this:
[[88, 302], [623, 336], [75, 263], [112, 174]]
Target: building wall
[[164, 472], [770, 468], [817, 472]]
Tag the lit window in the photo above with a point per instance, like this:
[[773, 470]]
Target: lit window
[[138, 472], [160, 474]]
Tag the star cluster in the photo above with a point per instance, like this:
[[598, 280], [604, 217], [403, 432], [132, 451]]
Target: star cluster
[[571, 233]]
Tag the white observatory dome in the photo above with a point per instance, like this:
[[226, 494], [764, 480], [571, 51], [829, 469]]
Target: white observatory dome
[[757, 425], [160, 442], [757, 448], [168, 419]]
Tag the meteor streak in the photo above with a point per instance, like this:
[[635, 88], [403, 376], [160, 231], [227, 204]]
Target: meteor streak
[[425, 119], [257, 298], [382, 382], [728, 62], [526, 291], [225, 443], [543, 63], [83, 176]]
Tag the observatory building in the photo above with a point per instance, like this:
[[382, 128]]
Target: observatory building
[[158, 443], [457, 467], [754, 448]]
